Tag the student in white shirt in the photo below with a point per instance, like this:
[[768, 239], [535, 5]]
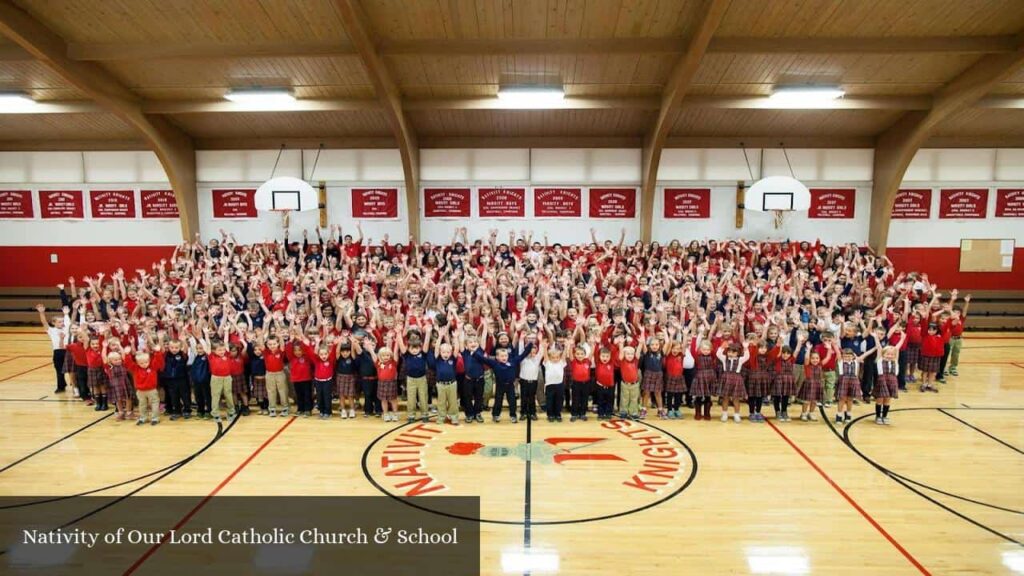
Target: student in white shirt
[[529, 374], [58, 331]]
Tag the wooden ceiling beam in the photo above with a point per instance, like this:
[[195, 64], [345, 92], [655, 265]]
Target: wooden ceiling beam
[[358, 28], [510, 46], [865, 45], [675, 90], [172, 146], [896, 147]]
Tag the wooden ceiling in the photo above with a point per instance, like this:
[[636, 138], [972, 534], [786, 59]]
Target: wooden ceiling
[[447, 59]]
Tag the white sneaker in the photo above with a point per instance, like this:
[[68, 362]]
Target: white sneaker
[[725, 417], [344, 415], [736, 418], [352, 413]]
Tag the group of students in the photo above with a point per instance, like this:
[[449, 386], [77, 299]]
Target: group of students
[[618, 330]]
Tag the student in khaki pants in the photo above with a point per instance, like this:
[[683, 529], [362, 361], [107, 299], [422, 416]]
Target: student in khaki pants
[[277, 381], [220, 380], [417, 399]]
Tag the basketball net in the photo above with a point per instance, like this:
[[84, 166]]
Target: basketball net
[[780, 215]]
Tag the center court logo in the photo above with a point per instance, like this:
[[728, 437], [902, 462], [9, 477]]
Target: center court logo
[[616, 468]]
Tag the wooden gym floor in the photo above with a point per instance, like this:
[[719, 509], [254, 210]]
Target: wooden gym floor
[[941, 491]]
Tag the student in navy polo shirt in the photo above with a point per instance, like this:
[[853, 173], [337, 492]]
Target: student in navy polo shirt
[[415, 360], [469, 348], [443, 361], [506, 367]]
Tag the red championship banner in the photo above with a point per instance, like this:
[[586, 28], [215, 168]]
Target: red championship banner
[[61, 204], [112, 203], [955, 203], [502, 202], [613, 202], [1010, 203], [446, 202], [234, 203], [687, 203], [16, 204], [913, 204], [557, 203], [375, 202], [833, 203], [159, 204]]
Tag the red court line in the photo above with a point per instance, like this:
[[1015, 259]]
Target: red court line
[[152, 550], [852, 502], [26, 372]]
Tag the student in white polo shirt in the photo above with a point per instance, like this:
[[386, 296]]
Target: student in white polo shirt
[[57, 330]]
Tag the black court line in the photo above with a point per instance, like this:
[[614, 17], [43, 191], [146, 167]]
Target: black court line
[[973, 427], [964, 405], [528, 495], [55, 442], [845, 439], [221, 432], [177, 464]]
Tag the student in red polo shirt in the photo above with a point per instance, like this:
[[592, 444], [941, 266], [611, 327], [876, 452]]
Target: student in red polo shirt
[[144, 368], [604, 375], [931, 354], [220, 376]]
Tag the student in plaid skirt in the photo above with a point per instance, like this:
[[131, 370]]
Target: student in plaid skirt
[[759, 381], [239, 387], [675, 382], [814, 385], [912, 355], [387, 381], [119, 383], [705, 381], [345, 377], [783, 383], [96, 375], [932, 350], [733, 389], [652, 382], [887, 386], [258, 371], [849, 385]]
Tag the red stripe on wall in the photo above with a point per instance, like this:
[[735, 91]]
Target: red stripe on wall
[[943, 268], [30, 265]]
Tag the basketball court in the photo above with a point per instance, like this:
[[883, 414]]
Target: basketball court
[[936, 493], [231, 219]]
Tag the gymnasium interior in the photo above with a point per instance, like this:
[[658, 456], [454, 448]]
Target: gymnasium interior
[[892, 131]]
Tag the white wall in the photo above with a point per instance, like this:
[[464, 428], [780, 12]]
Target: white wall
[[718, 169], [269, 226], [760, 225], [942, 232]]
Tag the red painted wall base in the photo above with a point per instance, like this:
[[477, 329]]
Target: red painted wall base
[[943, 268], [25, 266], [30, 265]]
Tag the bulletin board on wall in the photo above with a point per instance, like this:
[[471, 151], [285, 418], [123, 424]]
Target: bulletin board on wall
[[986, 255]]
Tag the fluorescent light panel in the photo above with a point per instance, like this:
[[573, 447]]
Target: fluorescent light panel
[[262, 97], [531, 96], [805, 96], [10, 101]]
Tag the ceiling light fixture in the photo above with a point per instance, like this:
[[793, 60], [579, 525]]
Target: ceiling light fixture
[[262, 98], [808, 96], [14, 101], [531, 96]]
